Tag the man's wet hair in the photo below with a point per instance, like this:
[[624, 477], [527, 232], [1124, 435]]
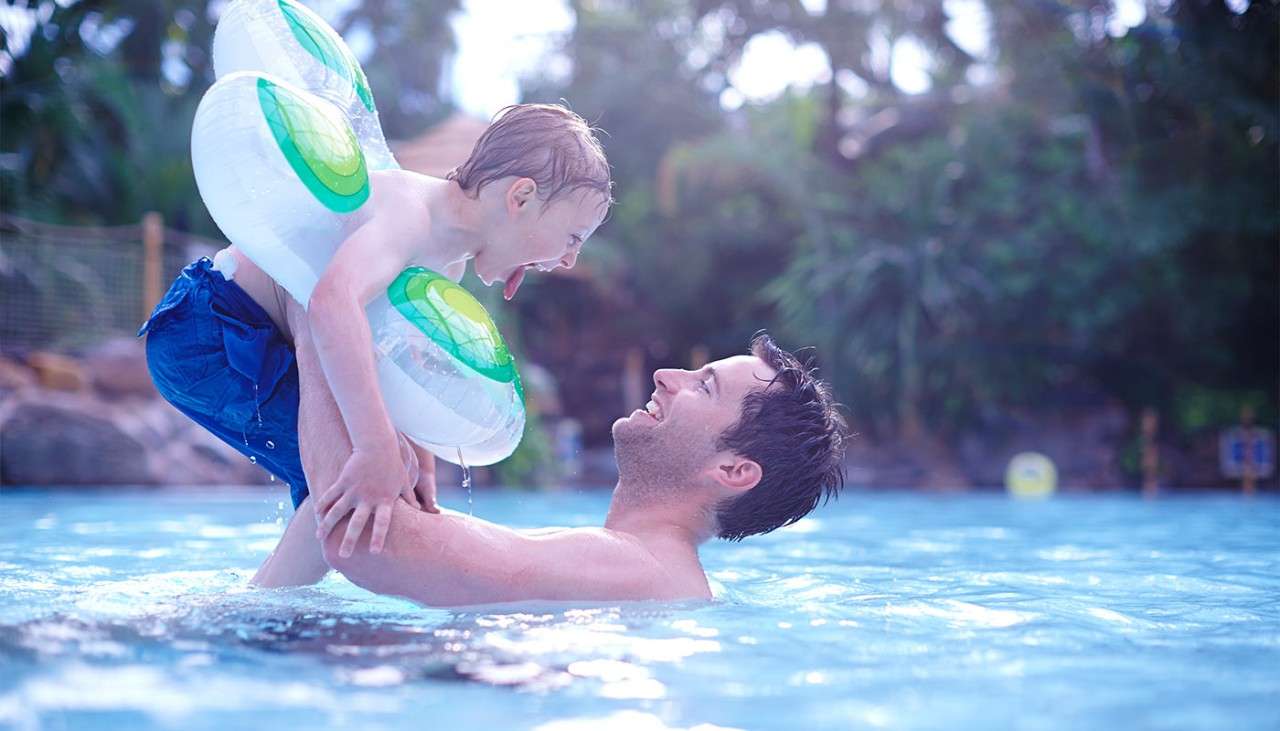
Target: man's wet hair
[[793, 429]]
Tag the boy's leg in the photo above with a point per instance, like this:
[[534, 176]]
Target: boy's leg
[[324, 446], [217, 357]]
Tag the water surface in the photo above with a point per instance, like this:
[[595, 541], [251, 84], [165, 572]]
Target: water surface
[[131, 610]]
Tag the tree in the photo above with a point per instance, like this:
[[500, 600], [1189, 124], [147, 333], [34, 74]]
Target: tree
[[1099, 219], [96, 110]]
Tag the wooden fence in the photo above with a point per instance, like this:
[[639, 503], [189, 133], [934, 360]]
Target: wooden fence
[[69, 286]]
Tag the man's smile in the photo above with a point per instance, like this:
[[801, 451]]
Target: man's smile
[[654, 409]]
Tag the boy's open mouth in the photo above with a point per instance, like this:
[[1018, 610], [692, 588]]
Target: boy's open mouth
[[513, 282]]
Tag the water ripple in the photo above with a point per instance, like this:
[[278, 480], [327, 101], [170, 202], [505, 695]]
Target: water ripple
[[885, 611]]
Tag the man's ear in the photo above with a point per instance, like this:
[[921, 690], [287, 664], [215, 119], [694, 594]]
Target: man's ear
[[521, 193], [739, 474]]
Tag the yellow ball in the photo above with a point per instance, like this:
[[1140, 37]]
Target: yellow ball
[[1031, 475]]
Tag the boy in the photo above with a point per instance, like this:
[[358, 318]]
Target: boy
[[219, 344]]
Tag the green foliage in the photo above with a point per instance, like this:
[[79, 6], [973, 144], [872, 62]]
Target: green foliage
[[1096, 220], [532, 464], [96, 110], [1099, 222]]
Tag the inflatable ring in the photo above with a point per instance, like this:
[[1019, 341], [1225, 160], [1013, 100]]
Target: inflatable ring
[[282, 146]]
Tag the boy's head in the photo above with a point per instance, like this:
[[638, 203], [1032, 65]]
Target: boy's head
[[544, 181]]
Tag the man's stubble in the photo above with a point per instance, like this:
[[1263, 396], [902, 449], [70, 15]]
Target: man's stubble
[[656, 462]]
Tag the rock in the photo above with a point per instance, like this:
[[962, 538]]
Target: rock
[[58, 372], [52, 444], [184, 453], [60, 438], [118, 368]]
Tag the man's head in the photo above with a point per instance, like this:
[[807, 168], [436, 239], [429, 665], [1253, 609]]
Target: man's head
[[544, 181], [756, 440]]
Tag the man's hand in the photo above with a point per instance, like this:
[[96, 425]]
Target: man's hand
[[369, 484]]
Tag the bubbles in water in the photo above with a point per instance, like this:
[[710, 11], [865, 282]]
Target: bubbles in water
[[253, 459], [271, 444]]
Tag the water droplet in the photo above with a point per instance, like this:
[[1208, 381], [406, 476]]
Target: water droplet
[[271, 444], [466, 480], [257, 408], [253, 459], [273, 477]]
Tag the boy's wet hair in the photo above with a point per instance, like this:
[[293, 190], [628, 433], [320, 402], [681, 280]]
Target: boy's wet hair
[[547, 143], [793, 429]]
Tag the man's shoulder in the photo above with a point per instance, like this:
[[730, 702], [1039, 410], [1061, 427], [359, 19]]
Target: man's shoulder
[[633, 568], [596, 539], [539, 532], [598, 548]]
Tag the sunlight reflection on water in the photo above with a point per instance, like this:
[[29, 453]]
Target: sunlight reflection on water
[[884, 611]]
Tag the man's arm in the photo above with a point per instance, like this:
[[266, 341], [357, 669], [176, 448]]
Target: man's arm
[[450, 559]]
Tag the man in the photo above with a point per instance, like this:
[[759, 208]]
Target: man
[[740, 447]]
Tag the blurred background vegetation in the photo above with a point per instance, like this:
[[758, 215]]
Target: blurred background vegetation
[[1074, 216]]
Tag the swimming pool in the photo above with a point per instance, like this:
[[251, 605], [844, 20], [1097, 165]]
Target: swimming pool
[[131, 610]]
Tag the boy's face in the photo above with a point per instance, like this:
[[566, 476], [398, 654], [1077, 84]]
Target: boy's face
[[538, 235]]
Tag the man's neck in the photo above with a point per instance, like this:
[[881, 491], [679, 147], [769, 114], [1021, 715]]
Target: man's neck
[[647, 521]]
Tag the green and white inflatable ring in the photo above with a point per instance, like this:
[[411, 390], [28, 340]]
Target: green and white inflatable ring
[[282, 146]]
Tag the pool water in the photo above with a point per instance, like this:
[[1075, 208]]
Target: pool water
[[886, 610]]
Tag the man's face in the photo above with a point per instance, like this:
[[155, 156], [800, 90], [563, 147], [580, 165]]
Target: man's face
[[674, 439]]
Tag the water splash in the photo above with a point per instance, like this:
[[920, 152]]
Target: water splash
[[466, 480]]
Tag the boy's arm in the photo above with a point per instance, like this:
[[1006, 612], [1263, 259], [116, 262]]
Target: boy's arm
[[372, 476]]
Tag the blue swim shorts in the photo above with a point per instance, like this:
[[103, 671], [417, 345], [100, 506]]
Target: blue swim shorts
[[217, 356]]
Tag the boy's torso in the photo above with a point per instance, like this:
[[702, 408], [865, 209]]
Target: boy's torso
[[274, 299], [261, 288]]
